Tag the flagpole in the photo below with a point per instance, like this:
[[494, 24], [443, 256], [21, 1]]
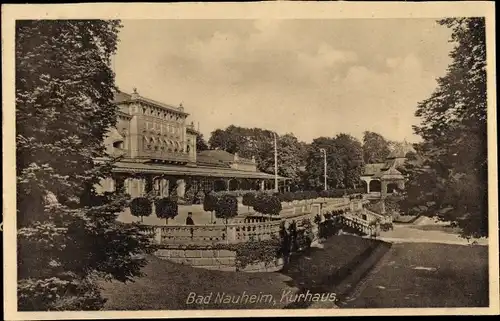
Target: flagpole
[[275, 164]]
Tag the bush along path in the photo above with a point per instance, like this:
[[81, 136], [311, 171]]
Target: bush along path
[[335, 269]]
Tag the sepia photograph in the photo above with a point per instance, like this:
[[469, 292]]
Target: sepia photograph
[[232, 162]]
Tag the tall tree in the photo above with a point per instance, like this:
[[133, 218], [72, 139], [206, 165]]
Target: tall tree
[[314, 175], [375, 148], [288, 150], [201, 144], [67, 234], [453, 183], [350, 152]]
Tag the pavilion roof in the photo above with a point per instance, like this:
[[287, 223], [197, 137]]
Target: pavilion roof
[[209, 171]]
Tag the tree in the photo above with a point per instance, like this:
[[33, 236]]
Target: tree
[[166, 208], [201, 144], [350, 152], [289, 152], [140, 207], [210, 204], [67, 234], [452, 183], [315, 164], [227, 207], [248, 199], [375, 148], [267, 204]]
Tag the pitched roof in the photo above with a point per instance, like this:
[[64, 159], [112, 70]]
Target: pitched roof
[[392, 173], [373, 169], [124, 166], [223, 156]]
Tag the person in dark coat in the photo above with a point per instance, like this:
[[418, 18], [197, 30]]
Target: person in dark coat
[[189, 221]]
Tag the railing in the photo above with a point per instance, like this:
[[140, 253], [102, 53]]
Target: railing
[[213, 234], [239, 231]]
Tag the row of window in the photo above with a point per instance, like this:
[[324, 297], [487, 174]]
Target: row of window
[[163, 129], [156, 112]]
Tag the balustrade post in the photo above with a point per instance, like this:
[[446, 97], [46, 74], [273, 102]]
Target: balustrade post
[[157, 231]]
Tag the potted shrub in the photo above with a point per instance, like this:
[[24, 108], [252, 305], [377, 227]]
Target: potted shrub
[[166, 208], [140, 207], [248, 200], [210, 204]]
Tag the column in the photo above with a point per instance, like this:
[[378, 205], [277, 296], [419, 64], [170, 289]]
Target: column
[[262, 185], [228, 181], [383, 188]]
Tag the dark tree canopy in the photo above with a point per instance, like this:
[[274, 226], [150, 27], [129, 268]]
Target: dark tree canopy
[[66, 233], [201, 144], [375, 148], [259, 143], [453, 183]]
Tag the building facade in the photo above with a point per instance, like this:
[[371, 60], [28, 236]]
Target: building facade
[[382, 179], [157, 149]]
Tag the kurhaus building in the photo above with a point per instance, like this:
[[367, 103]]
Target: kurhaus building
[[158, 149]]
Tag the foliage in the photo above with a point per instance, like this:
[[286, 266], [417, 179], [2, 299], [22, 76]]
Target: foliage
[[201, 144], [386, 227], [375, 148], [267, 251], [210, 202], [267, 204], [63, 114], [166, 208], [344, 158], [451, 184], [248, 199], [141, 206], [257, 142], [226, 207]]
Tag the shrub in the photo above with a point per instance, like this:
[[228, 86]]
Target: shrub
[[166, 208], [313, 195], [288, 197], [210, 202], [227, 207], [249, 199], [267, 204], [140, 207]]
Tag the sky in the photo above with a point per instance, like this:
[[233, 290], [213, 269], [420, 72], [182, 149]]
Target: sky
[[311, 78]]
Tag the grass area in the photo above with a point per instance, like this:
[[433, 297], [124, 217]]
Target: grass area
[[166, 285], [417, 275]]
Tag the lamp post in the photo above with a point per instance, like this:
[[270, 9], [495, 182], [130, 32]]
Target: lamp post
[[323, 151], [275, 164]]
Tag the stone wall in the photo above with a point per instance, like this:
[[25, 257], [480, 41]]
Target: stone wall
[[212, 259]]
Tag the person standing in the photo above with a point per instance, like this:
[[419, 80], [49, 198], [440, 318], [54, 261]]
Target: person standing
[[190, 221]]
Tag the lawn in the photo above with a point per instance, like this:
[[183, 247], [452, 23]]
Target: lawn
[[440, 228], [166, 285], [415, 275]]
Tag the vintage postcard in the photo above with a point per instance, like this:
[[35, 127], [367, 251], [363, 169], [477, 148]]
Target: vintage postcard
[[249, 159]]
